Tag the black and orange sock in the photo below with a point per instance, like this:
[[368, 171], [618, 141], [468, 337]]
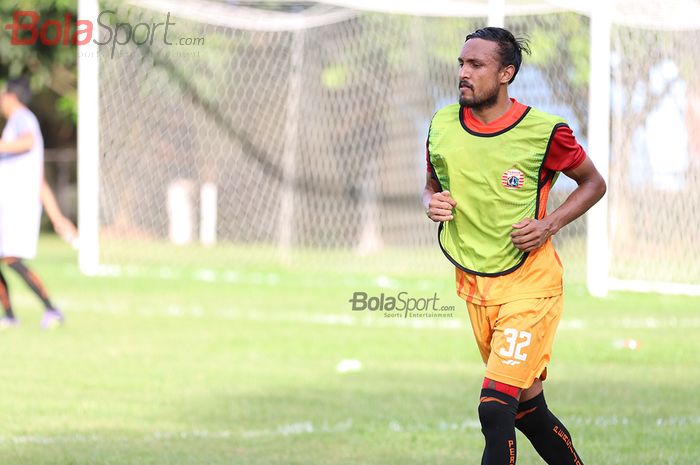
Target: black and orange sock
[[5, 297], [548, 435], [497, 415], [31, 279]]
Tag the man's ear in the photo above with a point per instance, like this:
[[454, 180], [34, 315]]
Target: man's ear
[[507, 74]]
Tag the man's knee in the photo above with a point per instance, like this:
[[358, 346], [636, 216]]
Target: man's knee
[[17, 265], [496, 410], [492, 414]]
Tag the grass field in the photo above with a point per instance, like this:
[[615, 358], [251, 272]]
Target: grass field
[[180, 371]]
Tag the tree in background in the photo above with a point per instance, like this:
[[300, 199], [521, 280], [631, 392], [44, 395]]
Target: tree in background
[[51, 69]]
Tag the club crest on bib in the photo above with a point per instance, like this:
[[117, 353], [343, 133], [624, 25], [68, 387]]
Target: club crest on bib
[[513, 179]]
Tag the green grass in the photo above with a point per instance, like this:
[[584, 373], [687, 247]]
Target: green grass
[[181, 371]]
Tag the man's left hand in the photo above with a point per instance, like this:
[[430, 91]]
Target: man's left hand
[[530, 234]]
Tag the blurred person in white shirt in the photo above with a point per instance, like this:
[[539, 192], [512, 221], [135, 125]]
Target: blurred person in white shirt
[[21, 185]]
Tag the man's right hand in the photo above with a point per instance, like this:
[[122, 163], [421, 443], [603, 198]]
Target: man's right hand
[[440, 207]]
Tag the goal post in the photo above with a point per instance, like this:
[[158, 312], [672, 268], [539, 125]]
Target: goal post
[[88, 146], [597, 246]]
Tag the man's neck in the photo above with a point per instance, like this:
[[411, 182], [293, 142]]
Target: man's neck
[[12, 110], [492, 113]]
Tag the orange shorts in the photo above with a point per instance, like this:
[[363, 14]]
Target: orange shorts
[[515, 339]]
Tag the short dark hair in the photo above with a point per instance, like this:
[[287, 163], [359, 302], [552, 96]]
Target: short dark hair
[[20, 87], [510, 48]]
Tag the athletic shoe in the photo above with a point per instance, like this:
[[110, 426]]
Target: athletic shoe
[[52, 318], [7, 323]]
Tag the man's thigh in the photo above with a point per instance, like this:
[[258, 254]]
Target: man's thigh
[[521, 341], [482, 318]]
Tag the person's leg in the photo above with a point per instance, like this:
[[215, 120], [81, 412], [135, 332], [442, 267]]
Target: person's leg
[[498, 402], [52, 316], [548, 435], [520, 350], [498, 406], [30, 278], [5, 297]]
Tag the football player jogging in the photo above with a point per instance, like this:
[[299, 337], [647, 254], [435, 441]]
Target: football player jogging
[[491, 164], [22, 190]]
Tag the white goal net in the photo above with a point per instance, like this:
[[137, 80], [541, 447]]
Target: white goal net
[[654, 195], [280, 134]]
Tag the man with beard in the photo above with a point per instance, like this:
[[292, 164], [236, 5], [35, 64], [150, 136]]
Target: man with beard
[[491, 164]]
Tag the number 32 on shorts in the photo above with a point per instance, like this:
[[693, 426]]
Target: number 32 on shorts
[[516, 341]]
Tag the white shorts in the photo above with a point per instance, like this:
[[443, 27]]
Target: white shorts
[[19, 226]]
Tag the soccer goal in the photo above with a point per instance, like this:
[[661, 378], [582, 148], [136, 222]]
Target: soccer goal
[[293, 133]]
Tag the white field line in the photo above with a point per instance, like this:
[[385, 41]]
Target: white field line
[[660, 323], [365, 318], [175, 311], [258, 278], [272, 279], [368, 319], [309, 427]]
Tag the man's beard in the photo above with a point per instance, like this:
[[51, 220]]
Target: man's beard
[[479, 102]]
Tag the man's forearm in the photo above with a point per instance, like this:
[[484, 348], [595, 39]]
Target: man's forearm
[[49, 202], [587, 194], [15, 147]]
